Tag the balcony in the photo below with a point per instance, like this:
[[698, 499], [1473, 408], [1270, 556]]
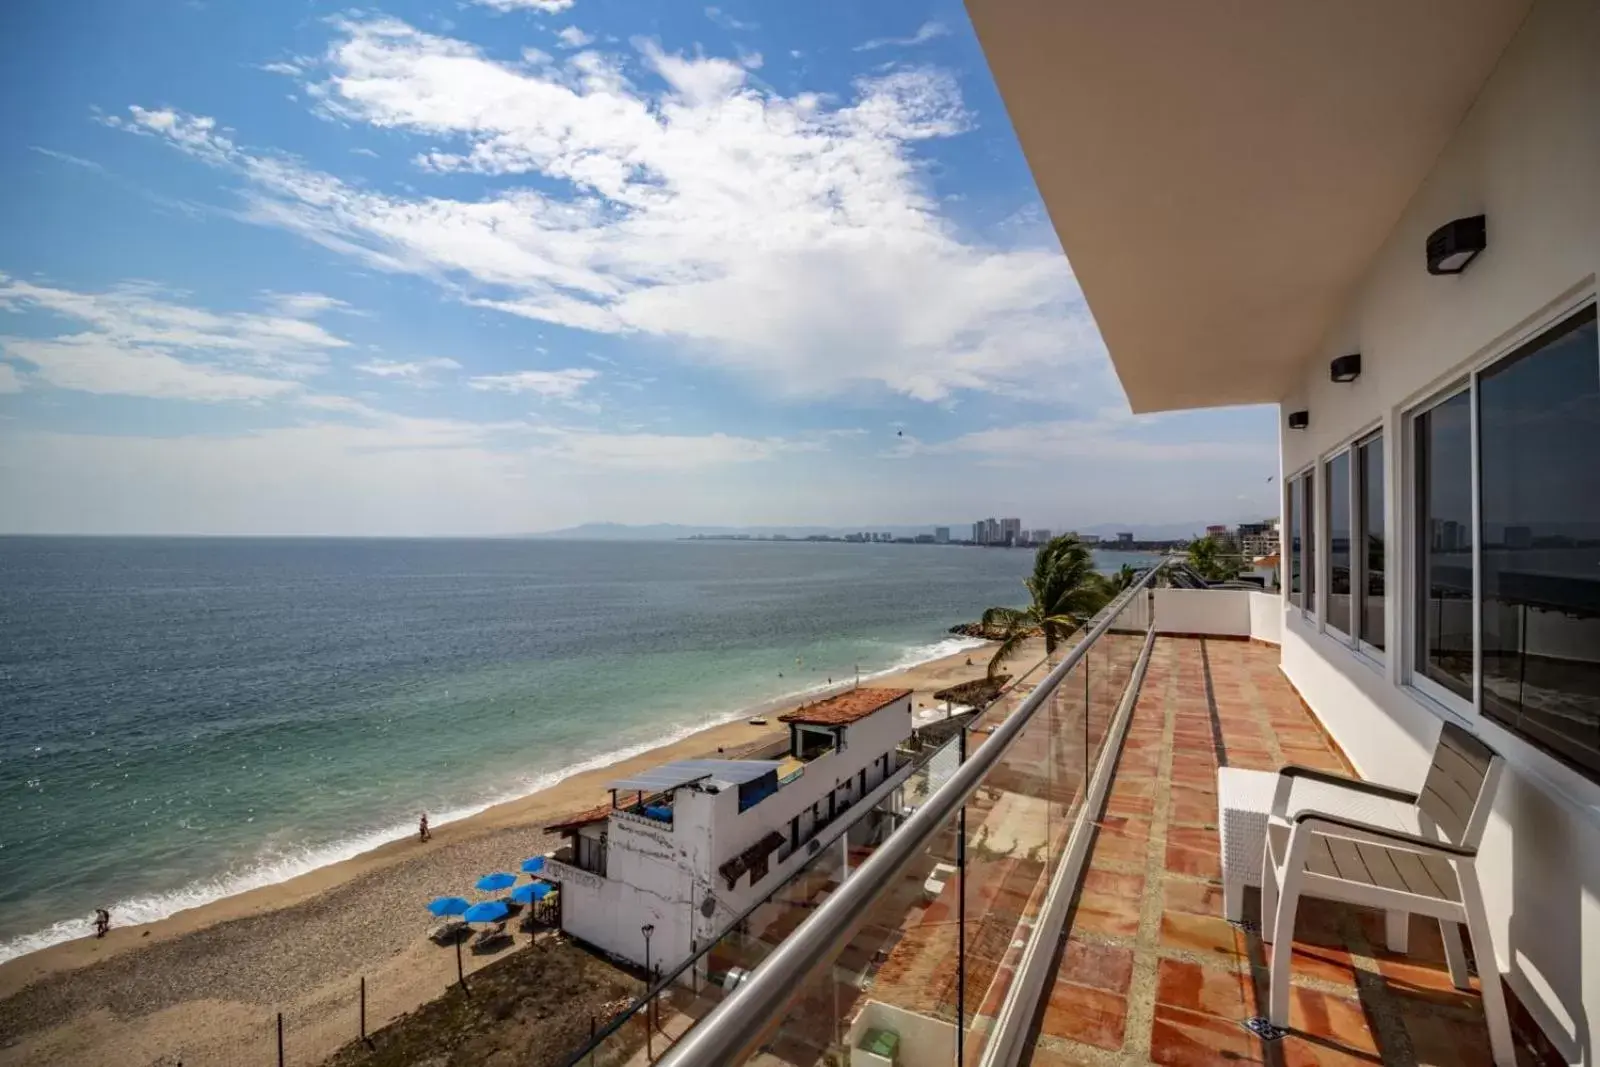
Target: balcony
[[1057, 900]]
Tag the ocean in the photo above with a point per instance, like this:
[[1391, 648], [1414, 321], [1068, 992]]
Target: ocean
[[183, 719]]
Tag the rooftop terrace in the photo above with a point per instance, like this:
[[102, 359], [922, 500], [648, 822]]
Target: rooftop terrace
[[1150, 973]]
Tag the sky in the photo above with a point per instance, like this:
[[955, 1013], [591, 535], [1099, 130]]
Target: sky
[[498, 266]]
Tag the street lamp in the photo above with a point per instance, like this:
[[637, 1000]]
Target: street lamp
[[647, 929]]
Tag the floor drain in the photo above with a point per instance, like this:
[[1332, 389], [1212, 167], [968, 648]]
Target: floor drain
[[1262, 1027]]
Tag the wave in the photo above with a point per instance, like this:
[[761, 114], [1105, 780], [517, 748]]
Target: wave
[[276, 866]]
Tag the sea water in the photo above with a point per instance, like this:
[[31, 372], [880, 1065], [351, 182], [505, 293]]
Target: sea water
[[183, 719]]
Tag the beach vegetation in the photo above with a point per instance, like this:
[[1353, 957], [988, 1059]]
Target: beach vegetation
[[1064, 592], [1207, 559]]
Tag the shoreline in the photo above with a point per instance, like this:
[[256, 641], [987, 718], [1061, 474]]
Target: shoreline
[[299, 943], [206, 890]]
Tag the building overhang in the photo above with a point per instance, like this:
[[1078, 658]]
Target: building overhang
[[1220, 176]]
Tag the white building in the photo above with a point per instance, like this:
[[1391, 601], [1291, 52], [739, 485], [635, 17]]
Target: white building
[[1246, 200], [941, 535], [1010, 531], [686, 847]]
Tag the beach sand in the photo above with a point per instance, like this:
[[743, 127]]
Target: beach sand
[[205, 985]]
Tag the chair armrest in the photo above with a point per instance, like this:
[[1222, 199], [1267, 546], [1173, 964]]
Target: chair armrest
[[1338, 826], [1287, 775]]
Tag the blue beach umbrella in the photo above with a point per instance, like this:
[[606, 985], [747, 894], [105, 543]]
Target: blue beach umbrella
[[527, 894], [533, 866], [493, 883], [487, 912], [448, 905]]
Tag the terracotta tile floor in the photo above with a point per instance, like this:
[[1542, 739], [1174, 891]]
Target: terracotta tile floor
[[1150, 973]]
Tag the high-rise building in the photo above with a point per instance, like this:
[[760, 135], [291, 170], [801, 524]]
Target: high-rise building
[[1124, 539], [1010, 531], [1223, 536], [1039, 537], [977, 533], [1257, 539], [941, 535]]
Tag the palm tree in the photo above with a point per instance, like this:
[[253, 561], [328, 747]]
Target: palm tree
[[1208, 561], [1066, 591], [1126, 575]]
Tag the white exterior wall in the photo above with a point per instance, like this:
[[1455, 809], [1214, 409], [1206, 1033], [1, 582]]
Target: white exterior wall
[[1224, 612], [661, 874], [1528, 157]]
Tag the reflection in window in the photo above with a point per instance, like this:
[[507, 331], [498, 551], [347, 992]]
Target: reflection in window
[[1296, 597], [1336, 477], [1369, 499], [1444, 544], [1539, 480], [1308, 497]]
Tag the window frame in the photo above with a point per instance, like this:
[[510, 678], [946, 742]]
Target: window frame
[[1350, 448], [1358, 567], [1469, 712], [1299, 485]]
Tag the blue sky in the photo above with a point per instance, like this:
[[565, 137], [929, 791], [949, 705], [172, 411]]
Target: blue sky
[[508, 265]]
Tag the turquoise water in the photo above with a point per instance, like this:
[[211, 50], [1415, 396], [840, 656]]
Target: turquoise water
[[185, 719]]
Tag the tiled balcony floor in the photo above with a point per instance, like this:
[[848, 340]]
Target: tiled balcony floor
[[1150, 972]]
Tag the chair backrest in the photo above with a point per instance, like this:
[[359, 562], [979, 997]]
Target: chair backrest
[[1459, 789]]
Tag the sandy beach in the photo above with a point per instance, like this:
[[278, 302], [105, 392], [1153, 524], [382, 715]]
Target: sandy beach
[[205, 986]]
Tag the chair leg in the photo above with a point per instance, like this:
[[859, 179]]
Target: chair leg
[[1494, 1001], [1232, 896], [1269, 896], [1397, 930], [1454, 955], [1282, 924]]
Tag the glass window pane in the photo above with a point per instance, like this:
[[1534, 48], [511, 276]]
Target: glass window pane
[[1295, 596], [1336, 476], [1444, 544], [1308, 496], [1539, 476], [1370, 498]]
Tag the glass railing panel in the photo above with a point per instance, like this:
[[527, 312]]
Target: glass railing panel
[[893, 988], [648, 1027]]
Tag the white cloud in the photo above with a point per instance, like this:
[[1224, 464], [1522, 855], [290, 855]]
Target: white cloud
[[1109, 435], [663, 452], [572, 37], [289, 69], [553, 384], [10, 380], [791, 239], [68, 157], [413, 372], [93, 363], [139, 341], [727, 21], [545, 7], [928, 31]]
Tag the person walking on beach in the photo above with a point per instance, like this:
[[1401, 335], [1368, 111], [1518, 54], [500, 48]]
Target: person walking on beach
[[102, 922], [423, 833]]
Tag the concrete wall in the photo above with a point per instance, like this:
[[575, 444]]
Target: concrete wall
[[1528, 156], [923, 1039], [1222, 612]]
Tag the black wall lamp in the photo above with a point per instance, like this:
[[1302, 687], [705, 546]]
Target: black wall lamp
[[1299, 420], [1346, 368], [1455, 244]]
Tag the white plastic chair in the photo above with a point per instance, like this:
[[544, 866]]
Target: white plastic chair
[[1431, 872]]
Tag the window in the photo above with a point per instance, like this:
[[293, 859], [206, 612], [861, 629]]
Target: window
[[1336, 479], [1539, 526], [1296, 594], [1369, 505], [1308, 496], [1442, 437]]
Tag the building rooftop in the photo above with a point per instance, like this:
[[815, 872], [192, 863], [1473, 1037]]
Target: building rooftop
[[845, 708], [682, 772], [580, 819]]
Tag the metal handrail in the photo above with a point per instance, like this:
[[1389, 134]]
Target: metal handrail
[[740, 1021]]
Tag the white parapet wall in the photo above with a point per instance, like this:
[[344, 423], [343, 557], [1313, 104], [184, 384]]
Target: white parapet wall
[[923, 1039], [1220, 613]]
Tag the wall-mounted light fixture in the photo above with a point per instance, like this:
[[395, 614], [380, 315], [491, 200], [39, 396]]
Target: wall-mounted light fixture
[[1455, 244], [1346, 368], [1299, 420]]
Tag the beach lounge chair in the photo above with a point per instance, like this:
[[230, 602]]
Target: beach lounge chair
[[491, 939], [443, 933]]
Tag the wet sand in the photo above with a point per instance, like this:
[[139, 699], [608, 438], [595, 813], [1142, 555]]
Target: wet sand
[[205, 985]]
